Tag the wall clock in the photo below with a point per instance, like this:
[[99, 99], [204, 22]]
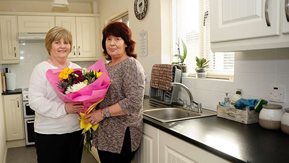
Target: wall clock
[[140, 8]]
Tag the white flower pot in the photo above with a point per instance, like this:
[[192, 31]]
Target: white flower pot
[[201, 75]]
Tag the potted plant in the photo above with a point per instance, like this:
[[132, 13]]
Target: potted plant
[[202, 64], [181, 56]]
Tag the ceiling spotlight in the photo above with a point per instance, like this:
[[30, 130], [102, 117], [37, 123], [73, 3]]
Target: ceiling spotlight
[[60, 3]]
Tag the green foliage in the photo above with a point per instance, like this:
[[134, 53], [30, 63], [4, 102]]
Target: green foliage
[[201, 63], [90, 76], [183, 55]]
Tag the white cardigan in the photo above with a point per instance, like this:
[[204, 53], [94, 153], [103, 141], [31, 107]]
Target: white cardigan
[[50, 114]]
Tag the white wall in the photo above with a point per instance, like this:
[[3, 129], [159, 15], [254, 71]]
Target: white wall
[[31, 53], [158, 39], [256, 73]]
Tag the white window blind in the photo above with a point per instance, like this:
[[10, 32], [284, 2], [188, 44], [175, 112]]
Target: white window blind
[[186, 27], [192, 24], [221, 63]]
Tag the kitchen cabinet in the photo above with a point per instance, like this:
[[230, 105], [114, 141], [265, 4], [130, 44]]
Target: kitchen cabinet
[[8, 40], [160, 147], [3, 147], [285, 16], [13, 113], [83, 30], [148, 152], [35, 24], [248, 24], [174, 150]]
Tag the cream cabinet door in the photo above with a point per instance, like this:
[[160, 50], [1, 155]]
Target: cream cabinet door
[[69, 24], [13, 117], [174, 150], [8, 38], [35, 24], [83, 30], [285, 16], [86, 36], [148, 152], [244, 19]]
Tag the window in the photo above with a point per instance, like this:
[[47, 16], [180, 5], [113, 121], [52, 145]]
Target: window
[[121, 18], [191, 21]]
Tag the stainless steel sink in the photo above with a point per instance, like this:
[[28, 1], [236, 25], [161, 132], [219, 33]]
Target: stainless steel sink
[[175, 114]]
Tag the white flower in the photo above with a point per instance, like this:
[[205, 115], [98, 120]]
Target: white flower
[[75, 87]]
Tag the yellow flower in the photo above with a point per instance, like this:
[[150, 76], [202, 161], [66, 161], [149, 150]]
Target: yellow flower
[[65, 73], [98, 74]]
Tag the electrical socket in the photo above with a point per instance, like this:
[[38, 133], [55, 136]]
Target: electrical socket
[[277, 94]]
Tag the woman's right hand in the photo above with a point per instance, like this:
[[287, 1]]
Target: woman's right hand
[[73, 108]]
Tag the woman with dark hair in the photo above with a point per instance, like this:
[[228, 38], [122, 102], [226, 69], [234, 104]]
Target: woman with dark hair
[[120, 114]]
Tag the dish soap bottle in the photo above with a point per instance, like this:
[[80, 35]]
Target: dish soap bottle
[[227, 100]]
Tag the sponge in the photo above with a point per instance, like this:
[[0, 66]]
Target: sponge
[[259, 105]]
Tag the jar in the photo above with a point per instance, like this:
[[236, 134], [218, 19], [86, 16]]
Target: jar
[[270, 116], [285, 122]]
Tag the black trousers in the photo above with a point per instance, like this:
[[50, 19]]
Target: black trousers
[[62, 148], [125, 156]]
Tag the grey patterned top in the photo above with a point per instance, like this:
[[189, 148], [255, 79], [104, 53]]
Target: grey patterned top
[[127, 89]]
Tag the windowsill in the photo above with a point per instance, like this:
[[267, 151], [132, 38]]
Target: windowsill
[[210, 77]]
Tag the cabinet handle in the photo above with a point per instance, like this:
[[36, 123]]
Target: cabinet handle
[[206, 14], [287, 9], [78, 50], [73, 50], [30, 121], [18, 104], [15, 51], [267, 14]]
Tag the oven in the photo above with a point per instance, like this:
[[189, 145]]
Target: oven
[[28, 112], [29, 116], [29, 131]]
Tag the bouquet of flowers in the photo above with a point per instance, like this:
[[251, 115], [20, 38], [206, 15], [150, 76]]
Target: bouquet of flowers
[[88, 86]]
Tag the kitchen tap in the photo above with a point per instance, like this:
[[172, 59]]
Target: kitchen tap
[[192, 102]]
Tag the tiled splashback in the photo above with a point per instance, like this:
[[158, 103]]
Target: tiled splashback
[[256, 72], [31, 53]]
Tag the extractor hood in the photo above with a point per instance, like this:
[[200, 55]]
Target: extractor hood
[[31, 36]]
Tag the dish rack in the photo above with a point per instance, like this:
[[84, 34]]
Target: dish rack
[[165, 96]]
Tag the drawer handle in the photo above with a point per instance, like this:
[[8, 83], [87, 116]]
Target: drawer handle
[[287, 9], [267, 14], [30, 121], [73, 50], [206, 14], [15, 51], [78, 50]]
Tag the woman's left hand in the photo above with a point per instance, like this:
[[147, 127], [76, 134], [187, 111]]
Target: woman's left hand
[[94, 117]]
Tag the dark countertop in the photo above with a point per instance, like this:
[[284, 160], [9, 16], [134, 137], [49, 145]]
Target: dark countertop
[[16, 91], [230, 140]]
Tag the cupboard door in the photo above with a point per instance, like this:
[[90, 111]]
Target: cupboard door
[[69, 24], [35, 24], [175, 150], [244, 19], [13, 117], [8, 38], [148, 152], [86, 36], [285, 16]]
